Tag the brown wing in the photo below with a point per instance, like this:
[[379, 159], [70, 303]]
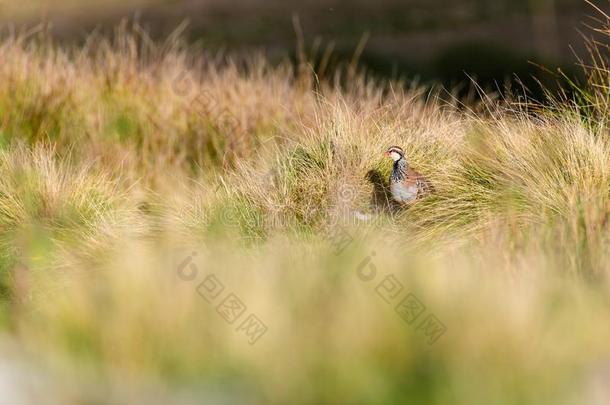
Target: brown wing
[[414, 178]]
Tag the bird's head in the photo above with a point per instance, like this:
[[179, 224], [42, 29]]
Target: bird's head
[[395, 153]]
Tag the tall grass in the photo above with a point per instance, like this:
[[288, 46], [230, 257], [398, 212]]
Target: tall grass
[[122, 158]]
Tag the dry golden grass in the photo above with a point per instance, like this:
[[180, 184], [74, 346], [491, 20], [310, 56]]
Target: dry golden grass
[[122, 158]]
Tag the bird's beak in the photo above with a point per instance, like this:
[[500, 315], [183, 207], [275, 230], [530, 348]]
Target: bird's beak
[[386, 154]]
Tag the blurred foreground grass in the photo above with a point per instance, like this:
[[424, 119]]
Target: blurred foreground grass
[[121, 159]]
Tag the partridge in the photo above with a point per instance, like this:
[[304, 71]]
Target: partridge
[[406, 185]]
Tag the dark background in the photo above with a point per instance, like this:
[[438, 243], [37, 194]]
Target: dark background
[[433, 41]]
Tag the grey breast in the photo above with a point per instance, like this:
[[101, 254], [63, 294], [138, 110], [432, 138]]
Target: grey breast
[[403, 193]]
